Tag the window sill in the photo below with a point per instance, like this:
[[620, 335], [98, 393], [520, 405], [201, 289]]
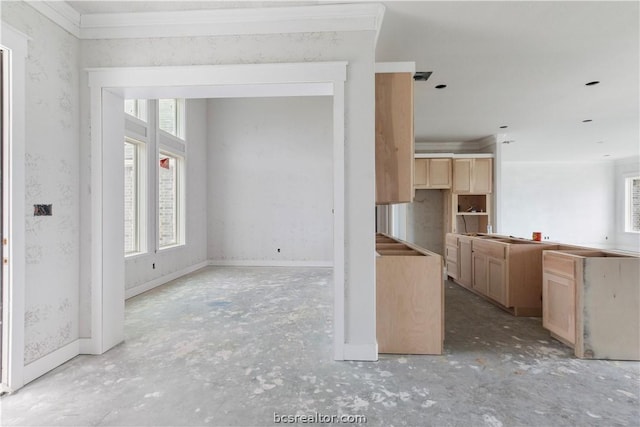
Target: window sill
[[172, 247], [135, 255]]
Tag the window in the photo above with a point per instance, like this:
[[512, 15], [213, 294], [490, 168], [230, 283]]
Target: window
[[169, 200], [134, 213], [171, 116], [632, 204], [136, 108]]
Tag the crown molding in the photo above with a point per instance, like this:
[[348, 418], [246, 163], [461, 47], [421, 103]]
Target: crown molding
[[216, 22], [60, 13], [456, 146]]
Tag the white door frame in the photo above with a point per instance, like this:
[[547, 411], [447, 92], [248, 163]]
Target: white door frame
[[14, 43], [107, 299]]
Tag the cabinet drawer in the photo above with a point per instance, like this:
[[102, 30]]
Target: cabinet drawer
[[451, 239], [560, 265], [492, 249]]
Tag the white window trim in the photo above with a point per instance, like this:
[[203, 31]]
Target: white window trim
[[181, 118], [144, 121], [180, 199], [142, 196], [628, 178]]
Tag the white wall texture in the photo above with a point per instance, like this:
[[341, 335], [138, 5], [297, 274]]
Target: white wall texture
[[270, 180], [425, 220], [139, 269], [356, 47], [623, 169], [569, 202], [52, 177]]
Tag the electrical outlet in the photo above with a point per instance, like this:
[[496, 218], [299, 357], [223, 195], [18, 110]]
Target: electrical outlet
[[42, 210], [153, 265]]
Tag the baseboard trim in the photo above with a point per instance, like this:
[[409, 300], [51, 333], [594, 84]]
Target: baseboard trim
[[268, 263], [51, 361], [137, 290], [363, 352], [88, 346]]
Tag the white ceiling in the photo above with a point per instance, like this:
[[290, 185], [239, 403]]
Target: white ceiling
[[523, 64]]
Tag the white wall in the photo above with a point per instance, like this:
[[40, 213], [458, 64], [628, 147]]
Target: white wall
[[140, 273], [623, 169], [425, 220], [270, 180], [568, 202], [51, 177]]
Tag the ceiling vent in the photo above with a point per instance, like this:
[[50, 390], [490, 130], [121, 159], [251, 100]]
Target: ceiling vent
[[421, 76]]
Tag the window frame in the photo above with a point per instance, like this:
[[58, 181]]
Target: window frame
[[628, 203], [141, 114], [180, 199], [141, 193], [179, 117]]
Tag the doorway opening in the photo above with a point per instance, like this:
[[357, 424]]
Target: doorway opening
[[109, 88]]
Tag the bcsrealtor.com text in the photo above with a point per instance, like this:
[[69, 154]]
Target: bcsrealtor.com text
[[318, 418]]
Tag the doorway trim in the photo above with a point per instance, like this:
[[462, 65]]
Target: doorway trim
[[14, 45], [107, 264]]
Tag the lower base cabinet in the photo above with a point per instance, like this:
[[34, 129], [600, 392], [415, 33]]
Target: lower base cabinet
[[465, 274], [591, 302], [507, 271], [409, 298]]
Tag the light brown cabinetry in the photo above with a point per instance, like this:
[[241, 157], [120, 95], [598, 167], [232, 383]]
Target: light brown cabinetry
[[465, 275], [473, 175], [471, 213], [394, 138], [451, 255], [432, 173], [489, 270], [591, 301], [409, 298], [497, 280], [504, 270], [559, 300], [479, 272]]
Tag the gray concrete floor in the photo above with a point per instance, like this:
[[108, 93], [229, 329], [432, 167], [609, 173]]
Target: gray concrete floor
[[233, 346]]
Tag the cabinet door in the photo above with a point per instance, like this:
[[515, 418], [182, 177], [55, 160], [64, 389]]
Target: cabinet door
[[465, 266], [480, 272], [497, 280], [451, 257], [439, 173], [420, 176], [462, 175], [482, 182], [394, 138], [559, 306]]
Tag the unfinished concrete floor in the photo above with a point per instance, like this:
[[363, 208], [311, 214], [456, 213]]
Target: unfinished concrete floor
[[231, 346]]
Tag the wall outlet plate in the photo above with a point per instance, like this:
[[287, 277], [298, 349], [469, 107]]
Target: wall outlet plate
[[42, 210]]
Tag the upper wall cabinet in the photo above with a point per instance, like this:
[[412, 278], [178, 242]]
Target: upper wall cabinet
[[432, 174], [394, 137], [473, 176]]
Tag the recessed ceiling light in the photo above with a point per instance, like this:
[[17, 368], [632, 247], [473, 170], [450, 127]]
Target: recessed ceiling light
[[508, 141], [587, 121], [441, 86], [593, 83], [599, 142], [504, 127], [607, 155]]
